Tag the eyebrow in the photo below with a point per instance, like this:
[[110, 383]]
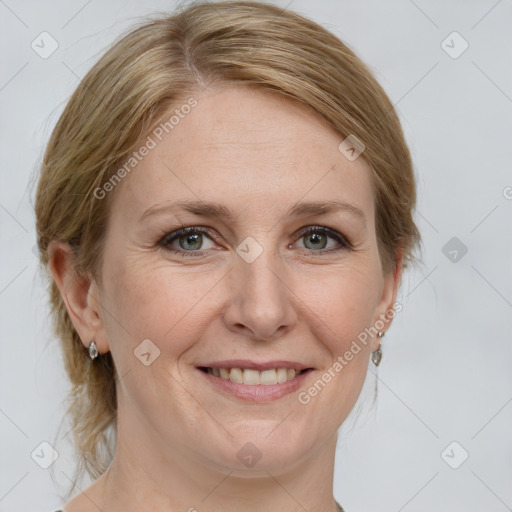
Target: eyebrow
[[217, 210]]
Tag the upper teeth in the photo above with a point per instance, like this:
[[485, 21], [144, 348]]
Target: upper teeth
[[255, 377]]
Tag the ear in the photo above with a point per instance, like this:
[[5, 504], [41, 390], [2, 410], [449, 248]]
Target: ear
[[80, 295], [386, 308]]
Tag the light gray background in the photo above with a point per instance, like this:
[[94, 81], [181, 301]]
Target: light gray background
[[446, 371]]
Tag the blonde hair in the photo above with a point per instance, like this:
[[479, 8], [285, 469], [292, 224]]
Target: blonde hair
[[154, 67]]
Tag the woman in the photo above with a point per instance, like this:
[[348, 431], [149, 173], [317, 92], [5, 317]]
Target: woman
[[225, 210]]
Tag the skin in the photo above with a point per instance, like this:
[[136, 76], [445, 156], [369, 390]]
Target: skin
[[178, 436]]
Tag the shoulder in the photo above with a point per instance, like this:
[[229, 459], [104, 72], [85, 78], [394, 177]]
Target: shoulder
[[85, 500]]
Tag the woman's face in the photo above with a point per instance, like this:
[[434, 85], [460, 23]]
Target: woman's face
[[254, 287]]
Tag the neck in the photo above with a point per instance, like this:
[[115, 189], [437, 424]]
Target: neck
[[144, 476]]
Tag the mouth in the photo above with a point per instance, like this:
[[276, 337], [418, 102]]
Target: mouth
[[253, 385], [252, 377]]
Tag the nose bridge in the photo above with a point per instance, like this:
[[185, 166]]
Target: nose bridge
[[260, 300], [261, 281], [263, 275]]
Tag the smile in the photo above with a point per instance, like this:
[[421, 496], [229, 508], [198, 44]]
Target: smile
[[254, 377], [255, 385]]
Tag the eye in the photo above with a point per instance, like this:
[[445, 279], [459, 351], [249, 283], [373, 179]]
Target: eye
[[190, 239], [316, 239]]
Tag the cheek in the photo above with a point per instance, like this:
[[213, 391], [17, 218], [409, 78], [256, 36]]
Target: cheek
[[159, 303], [343, 301], [343, 308]]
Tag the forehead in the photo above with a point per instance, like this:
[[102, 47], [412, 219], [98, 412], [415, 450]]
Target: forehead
[[245, 148]]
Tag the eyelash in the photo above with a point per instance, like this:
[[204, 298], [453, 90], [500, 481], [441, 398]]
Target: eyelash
[[169, 238]]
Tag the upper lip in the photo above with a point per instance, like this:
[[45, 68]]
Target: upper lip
[[255, 365]]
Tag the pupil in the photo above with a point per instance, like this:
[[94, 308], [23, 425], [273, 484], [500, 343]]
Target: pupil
[[190, 239], [316, 238]]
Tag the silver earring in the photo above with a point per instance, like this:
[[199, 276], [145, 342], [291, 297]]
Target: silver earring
[[93, 350], [377, 354]]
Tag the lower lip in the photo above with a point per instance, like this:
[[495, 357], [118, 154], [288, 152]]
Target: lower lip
[[257, 393]]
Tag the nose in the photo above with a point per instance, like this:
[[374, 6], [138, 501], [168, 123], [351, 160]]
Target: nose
[[260, 301]]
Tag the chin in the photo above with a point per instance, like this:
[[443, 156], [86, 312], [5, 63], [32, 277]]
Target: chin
[[262, 445]]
